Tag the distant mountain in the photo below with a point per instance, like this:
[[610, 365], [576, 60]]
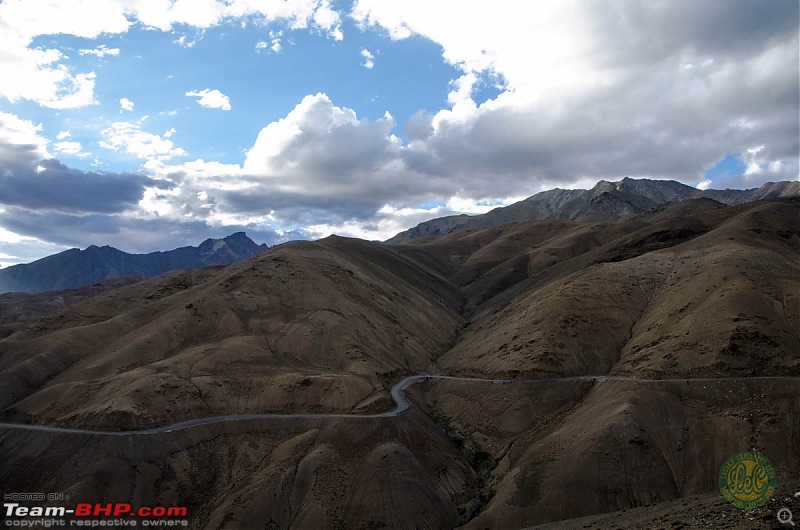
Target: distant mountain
[[607, 201], [75, 268]]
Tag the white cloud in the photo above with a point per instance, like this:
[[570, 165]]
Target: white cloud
[[70, 148], [602, 90], [274, 43], [529, 44], [131, 139], [462, 88], [184, 42], [43, 75], [33, 183], [20, 142], [87, 18], [298, 14], [40, 76], [321, 146], [63, 134], [327, 19], [703, 185], [390, 220], [101, 51], [125, 104], [16, 248], [211, 99], [369, 59]]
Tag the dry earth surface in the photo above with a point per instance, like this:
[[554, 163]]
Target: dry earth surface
[[681, 291]]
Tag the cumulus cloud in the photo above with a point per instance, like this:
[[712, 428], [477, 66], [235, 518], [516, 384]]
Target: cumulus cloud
[[327, 19], [605, 90], [211, 99], [21, 146], [273, 44], [326, 148], [50, 185], [46, 206], [322, 168], [32, 179], [125, 105], [40, 74], [581, 106], [319, 165], [70, 148], [129, 138], [369, 59]]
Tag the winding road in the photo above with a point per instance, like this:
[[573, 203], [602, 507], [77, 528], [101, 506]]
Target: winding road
[[398, 396]]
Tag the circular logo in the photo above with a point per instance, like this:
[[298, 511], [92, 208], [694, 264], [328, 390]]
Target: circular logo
[[747, 480]]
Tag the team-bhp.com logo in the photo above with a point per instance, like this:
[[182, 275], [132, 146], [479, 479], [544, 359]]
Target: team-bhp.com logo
[[87, 514]]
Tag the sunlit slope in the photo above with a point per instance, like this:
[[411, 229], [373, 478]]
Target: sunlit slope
[[304, 327], [714, 293]]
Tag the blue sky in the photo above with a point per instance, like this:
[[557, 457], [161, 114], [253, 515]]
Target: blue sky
[[154, 71], [149, 124]]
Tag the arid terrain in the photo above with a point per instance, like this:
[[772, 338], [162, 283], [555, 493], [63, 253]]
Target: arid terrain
[[695, 307]]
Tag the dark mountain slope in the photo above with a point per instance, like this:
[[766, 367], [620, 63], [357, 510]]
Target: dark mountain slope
[[75, 268], [685, 295], [304, 327], [16, 309], [607, 201]]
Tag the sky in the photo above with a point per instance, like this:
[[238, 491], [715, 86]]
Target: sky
[[153, 124]]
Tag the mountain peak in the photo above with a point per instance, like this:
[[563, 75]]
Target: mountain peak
[[605, 201], [75, 268], [237, 236]]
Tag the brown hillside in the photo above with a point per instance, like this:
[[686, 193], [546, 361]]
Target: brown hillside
[[307, 327], [681, 291], [662, 300]]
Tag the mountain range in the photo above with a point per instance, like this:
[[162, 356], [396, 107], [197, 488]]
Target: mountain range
[[75, 268], [606, 201], [643, 353]]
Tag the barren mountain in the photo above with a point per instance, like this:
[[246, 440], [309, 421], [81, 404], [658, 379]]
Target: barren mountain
[[16, 309], [77, 268], [688, 311], [308, 327], [606, 201]]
